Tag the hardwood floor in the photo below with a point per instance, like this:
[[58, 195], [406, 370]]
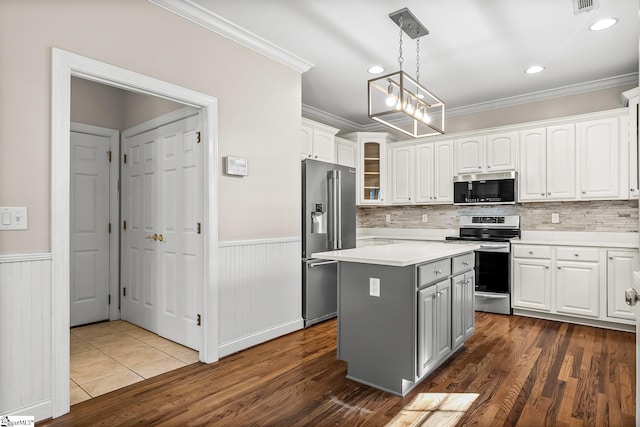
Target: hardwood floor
[[513, 371]]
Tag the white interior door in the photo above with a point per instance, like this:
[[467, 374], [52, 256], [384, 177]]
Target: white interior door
[[163, 197], [89, 212]]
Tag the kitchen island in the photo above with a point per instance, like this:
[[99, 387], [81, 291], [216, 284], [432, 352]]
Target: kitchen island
[[403, 309]]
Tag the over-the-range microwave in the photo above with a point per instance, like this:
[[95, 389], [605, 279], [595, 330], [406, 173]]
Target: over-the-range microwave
[[485, 188]]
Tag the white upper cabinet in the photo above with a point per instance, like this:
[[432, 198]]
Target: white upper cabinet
[[470, 155], [424, 172], [443, 172], [403, 175], [346, 152], [317, 141], [633, 118], [561, 162], [494, 152], [501, 151], [533, 164], [599, 158]]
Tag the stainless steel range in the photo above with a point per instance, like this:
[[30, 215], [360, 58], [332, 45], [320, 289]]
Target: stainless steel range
[[493, 259]]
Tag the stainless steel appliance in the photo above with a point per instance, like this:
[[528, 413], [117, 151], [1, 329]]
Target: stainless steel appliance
[[487, 188], [493, 259], [328, 223]]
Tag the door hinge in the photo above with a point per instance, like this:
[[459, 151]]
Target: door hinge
[[198, 137], [124, 225], [109, 299], [199, 320], [124, 292], [125, 158], [199, 228], [109, 155]]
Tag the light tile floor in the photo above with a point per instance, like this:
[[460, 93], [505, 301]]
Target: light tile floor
[[110, 355]]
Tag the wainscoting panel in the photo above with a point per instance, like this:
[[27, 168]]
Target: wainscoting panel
[[260, 292], [25, 335]]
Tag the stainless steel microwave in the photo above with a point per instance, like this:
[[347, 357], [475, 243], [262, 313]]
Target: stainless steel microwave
[[485, 189]]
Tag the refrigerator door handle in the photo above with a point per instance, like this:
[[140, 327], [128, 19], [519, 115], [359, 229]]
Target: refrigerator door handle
[[335, 209], [318, 264]]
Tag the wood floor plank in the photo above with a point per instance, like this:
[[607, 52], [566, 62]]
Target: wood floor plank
[[513, 371]]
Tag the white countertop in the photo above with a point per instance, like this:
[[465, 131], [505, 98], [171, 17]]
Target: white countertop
[[400, 254]]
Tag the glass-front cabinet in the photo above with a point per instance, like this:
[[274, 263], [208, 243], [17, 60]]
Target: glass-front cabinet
[[371, 170]]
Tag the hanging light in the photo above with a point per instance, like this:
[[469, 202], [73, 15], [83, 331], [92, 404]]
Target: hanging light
[[400, 101]]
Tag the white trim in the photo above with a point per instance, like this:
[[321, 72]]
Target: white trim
[[165, 119], [39, 411], [114, 208], [216, 23], [24, 257], [597, 323], [260, 337], [230, 243], [67, 64]]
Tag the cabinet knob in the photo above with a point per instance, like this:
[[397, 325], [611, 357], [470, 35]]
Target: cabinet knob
[[576, 254], [611, 257], [548, 194], [547, 267], [542, 194], [435, 197], [465, 263], [584, 192], [559, 268], [315, 157], [488, 167], [633, 189], [530, 252], [309, 156]]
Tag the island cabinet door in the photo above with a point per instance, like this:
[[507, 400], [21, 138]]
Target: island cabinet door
[[427, 320], [443, 327], [457, 312]]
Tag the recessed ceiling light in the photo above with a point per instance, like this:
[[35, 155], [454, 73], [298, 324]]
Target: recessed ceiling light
[[534, 69], [376, 69], [603, 24]]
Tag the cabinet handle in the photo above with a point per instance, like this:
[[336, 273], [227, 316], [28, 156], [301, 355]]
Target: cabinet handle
[[465, 263]]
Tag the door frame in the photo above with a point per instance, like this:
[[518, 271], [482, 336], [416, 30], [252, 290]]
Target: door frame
[[64, 66], [114, 208]]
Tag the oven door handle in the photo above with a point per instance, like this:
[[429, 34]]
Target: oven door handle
[[483, 295], [485, 246]]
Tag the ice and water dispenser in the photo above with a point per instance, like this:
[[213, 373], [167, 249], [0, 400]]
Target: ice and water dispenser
[[319, 220]]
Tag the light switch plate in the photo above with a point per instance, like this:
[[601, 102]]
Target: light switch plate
[[13, 218], [374, 286], [387, 217]]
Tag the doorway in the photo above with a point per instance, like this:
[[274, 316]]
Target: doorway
[[65, 65]]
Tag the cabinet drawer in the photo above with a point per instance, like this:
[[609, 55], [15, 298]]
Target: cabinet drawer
[[433, 271], [577, 254], [531, 251], [463, 263]]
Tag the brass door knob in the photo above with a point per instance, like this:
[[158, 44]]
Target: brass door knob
[[154, 237], [160, 238]]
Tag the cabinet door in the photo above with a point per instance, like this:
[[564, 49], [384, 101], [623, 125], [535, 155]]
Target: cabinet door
[[470, 155], [426, 330], [599, 148], [458, 286], [424, 172], [443, 326], [443, 172], [501, 151], [620, 268], [634, 117], [402, 174], [561, 162], [532, 178], [468, 304], [306, 141], [532, 284], [372, 172], [323, 145], [345, 153], [577, 288]]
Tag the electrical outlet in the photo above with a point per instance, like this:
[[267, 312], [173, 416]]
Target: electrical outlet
[[425, 217], [387, 217], [374, 286], [555, 218]]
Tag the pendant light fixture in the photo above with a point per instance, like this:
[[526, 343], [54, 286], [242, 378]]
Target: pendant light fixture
[[398, 100]]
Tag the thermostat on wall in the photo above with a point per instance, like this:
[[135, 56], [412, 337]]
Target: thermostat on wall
[[236, 166]]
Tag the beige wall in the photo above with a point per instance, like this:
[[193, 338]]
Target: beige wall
[[570, 105], [259, 106]]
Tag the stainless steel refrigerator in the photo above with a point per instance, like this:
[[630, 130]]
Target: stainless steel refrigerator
[[328, 223]]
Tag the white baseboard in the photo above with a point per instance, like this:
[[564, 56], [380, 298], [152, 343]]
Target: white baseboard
[[260, 337], [40, 411]]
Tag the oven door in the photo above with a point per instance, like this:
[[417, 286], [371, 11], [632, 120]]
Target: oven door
[[493, 283]]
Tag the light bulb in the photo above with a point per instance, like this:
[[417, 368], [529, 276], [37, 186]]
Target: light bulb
[[391, 97], [409, 107], [426, 118], [419, 114]]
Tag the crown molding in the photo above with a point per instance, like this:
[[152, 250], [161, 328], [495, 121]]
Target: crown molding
[[189, 10]]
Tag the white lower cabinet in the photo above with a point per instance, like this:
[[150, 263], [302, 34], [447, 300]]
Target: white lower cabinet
[[434, 325], [574, 281], [620, 267], [577, 288], [532, 283]]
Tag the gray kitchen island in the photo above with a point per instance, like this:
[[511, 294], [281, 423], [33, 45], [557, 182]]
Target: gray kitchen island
[[403, 309]]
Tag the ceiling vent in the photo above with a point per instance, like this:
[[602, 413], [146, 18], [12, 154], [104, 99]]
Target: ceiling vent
[[582, 6]]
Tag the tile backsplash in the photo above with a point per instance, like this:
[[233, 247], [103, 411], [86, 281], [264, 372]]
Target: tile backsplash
[[607, 216]]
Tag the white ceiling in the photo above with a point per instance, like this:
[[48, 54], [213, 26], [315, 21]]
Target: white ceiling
[[476, 52]]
